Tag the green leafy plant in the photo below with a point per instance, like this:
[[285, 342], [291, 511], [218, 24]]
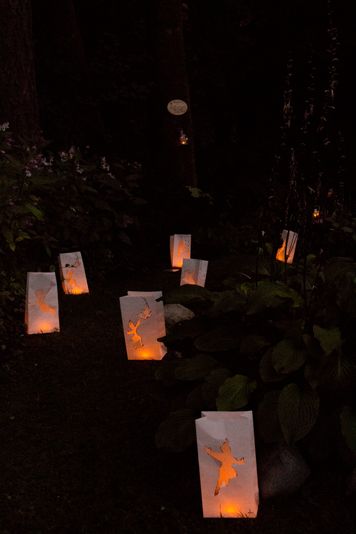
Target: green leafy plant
[[264, 346], [51, 203]]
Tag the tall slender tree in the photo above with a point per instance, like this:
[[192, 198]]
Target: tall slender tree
[[66, 105], [175, 145], [18, 93]]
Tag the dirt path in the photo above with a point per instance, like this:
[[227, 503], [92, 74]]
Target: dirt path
[[77, 440]]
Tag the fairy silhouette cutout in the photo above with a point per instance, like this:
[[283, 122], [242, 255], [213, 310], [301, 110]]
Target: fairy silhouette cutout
[[226, 469], [136, 338], [142, 316], [41, 303]]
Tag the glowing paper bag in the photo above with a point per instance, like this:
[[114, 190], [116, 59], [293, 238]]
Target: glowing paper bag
[[194, 272], [227, 464], [41, 310], [74, 281], [143, 322], [180, 248], [286, 252]]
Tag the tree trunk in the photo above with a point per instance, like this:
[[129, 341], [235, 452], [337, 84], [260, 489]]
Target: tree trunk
[[176, 160], [68, 110], [18, 94]]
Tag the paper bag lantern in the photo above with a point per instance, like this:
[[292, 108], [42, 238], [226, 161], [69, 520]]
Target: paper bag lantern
[[194, 272], [143, 322], [286, 252], [180, 248], [41, 310], [74, 281], [227, 464]]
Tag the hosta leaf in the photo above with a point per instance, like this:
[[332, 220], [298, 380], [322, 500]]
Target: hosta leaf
[[211, 385], [272, 295], [227, 301], [329, 338], [267, 418], [297, 412], [35, 211], [221, 338], [348, 427], [195, 368], [9, 237], [266, 369], [186, 330], [235, 392], [253, 344], [189, 295], [287, 356], [177, 432]]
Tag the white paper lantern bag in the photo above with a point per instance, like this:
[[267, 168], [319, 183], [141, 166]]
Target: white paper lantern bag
[[227, 464], [41, 310], [71, 267], [143, 323], [180, 245], [286, 252], [194, 272]]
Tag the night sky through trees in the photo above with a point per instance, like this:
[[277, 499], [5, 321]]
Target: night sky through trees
[[98, 82]]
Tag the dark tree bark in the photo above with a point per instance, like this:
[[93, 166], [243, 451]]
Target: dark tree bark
[[67, 107], [18, 94], [176, 161]]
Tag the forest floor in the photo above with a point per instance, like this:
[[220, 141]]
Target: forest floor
[[77, 439]]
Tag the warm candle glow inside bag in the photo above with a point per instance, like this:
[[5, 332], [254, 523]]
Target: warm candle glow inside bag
[[179, 248], [41, 309]]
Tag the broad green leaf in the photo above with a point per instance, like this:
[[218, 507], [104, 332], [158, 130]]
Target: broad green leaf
[[219, 339], [177, 432], [348, 427], [267, 418], [288, 356], [190, 296], [253, 344], [235, 392], [227, 301], [297, 411], [9, 237], [203, 397], [211, 385], [22, 236], [266, 369], [195, 368], [329, 338], [272, 295], [35, 211], [186, 330]]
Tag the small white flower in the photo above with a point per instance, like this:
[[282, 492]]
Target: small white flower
[[4, 126]]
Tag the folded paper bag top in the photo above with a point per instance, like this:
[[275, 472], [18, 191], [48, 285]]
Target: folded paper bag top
[[71, 267], [227, 464], [41, 309]]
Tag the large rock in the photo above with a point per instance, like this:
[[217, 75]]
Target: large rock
[[282, 470], [175, 313]]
